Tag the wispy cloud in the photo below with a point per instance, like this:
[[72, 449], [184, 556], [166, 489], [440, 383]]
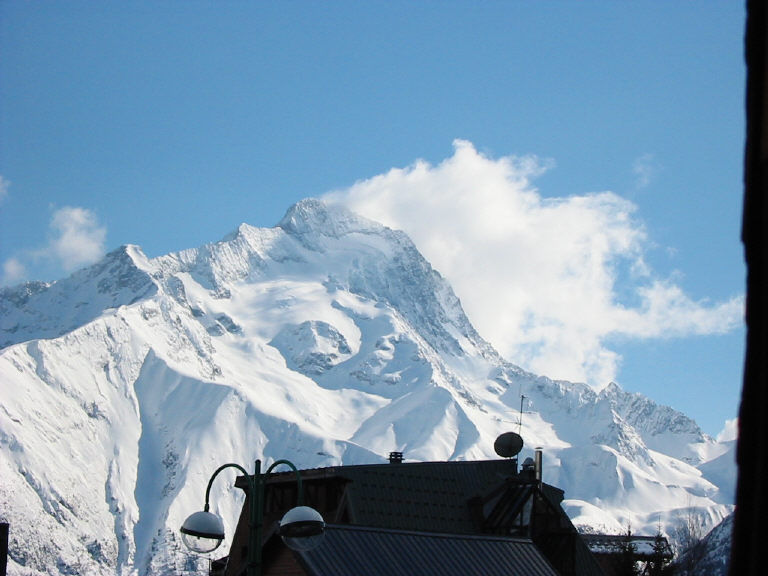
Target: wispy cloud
[[645, 168], [76, 239], [545, 280], [730, 431], [13, 272]]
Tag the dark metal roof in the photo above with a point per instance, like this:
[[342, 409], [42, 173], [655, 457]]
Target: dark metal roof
[[429, 496], [356, 550], [416, 496]]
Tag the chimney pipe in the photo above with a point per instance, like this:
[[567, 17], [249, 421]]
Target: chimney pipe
[[537, 465], [395, 457]]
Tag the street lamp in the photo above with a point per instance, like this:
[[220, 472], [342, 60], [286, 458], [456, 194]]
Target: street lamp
[[301, 528], [202, 532]]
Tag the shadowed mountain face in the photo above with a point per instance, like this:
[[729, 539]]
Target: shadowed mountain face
[[326, 340]]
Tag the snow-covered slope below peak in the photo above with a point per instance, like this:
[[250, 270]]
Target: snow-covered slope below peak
[[721, 471]]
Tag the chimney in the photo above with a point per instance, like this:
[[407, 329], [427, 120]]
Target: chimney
[[537, 465], [395, 457]]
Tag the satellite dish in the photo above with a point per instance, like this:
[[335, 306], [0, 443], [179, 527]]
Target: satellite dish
[[508, 445]]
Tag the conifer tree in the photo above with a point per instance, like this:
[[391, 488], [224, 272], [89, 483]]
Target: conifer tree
[[659, 565], [627, 565]]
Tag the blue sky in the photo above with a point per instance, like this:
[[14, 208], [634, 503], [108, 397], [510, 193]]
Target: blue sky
[[576, 167]]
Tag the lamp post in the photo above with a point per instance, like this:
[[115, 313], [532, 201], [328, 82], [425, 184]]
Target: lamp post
[[301, 528]]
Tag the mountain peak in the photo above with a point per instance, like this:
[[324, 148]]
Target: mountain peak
[[315, 216], [612, 389], [134, 253], [37, 310]]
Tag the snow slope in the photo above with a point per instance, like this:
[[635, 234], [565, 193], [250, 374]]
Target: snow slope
[[326, 340]]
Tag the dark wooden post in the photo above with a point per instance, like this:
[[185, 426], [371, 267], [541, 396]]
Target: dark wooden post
[[748, 550]]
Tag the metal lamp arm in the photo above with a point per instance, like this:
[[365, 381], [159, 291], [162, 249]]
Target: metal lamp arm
[[216, 473]]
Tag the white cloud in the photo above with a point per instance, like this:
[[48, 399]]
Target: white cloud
[[13, 272], [538, 277], [77, 240], [730, 431]]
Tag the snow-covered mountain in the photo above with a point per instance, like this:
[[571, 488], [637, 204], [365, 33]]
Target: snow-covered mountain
[[326, 340]]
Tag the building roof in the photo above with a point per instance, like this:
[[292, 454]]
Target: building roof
[[354, 550], [614, 543], [430, 496]]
